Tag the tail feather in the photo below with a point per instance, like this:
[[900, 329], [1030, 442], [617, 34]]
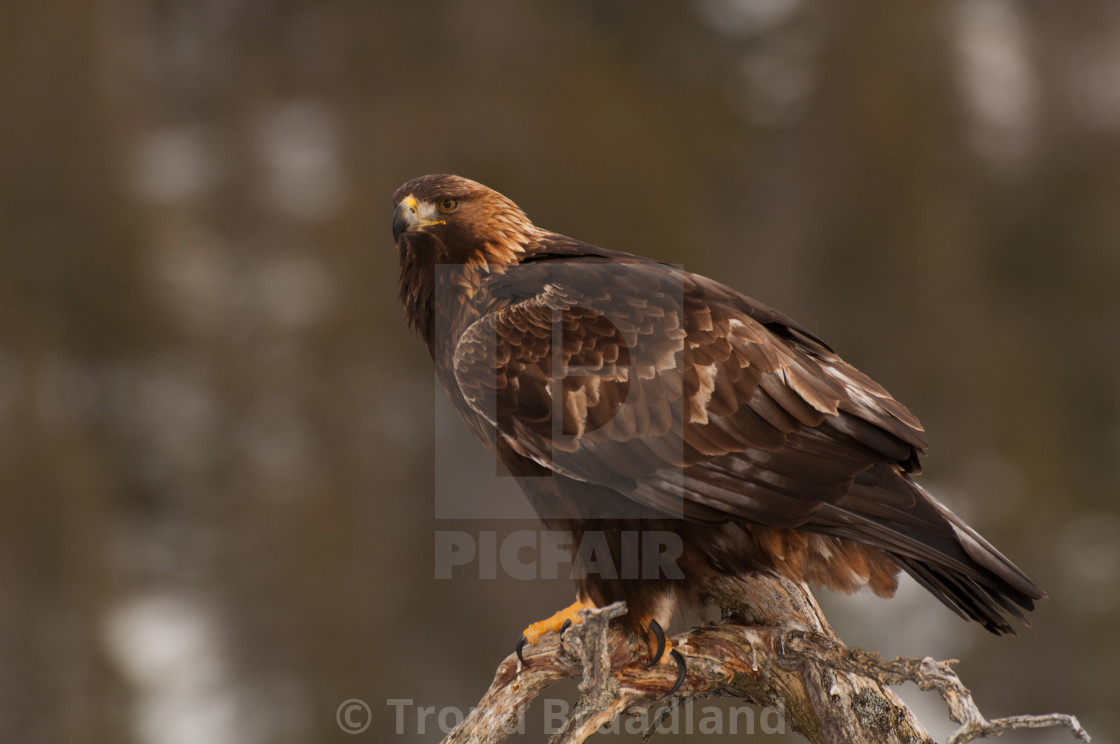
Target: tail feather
[[967, 598], [942, 553]]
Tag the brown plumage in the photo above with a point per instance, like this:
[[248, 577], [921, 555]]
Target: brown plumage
[[632, 396]]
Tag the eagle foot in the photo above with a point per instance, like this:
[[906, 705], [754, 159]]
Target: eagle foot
[[559, 622], [657, 656], [569, 616]]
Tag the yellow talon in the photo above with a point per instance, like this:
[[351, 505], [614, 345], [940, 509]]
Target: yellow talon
[[660, 646], [666, 655], [663, 651], [553, 624]]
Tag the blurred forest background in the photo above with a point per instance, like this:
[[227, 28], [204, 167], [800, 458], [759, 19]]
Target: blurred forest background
[[216, 432]]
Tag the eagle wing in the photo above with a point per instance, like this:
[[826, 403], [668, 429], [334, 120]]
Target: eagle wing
[[679, 392], [694, 400]]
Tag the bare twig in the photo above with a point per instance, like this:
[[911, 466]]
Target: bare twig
[[774, 648], [981, 728], [928, 674]]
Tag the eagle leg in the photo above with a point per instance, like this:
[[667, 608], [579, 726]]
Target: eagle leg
[[559, 622]]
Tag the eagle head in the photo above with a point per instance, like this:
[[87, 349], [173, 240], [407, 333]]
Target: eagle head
[[453, 220], [450, 220]]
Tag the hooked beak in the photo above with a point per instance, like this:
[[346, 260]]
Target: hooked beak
[[407, 218]]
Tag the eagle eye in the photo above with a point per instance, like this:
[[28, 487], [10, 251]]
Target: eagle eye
[[448, 205]]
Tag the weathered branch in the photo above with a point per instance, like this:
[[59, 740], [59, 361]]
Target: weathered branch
[[928, 674], [773, 648]]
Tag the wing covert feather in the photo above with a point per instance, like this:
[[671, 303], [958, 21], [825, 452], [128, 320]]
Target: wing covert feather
[[665, 386]]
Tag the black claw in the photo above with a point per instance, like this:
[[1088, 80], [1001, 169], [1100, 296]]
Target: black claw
[[657, 631], [520, 646], [680, 671], [567, 624]]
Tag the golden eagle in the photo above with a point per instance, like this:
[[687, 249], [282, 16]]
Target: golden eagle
[[630, 396]]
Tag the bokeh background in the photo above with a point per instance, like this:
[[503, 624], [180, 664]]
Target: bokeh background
[[216, 432]]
